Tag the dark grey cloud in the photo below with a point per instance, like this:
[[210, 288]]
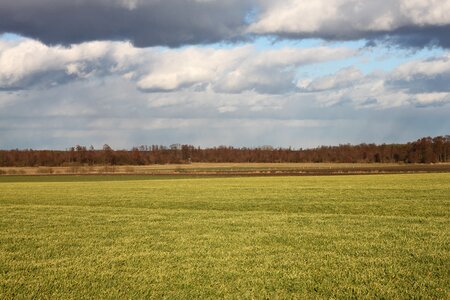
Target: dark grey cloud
[[145, 23], [405, 37], [415, 37], [175, 23], [423, 84]]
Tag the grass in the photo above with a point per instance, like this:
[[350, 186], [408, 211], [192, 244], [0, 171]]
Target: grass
[[375, 236]]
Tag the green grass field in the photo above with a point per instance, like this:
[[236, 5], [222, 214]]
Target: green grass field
[[373, 236]]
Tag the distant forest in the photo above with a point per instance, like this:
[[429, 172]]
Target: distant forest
[[425, 150]]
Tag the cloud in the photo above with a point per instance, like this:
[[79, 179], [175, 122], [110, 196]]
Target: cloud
[[429, 67], [343, 78], [29, 63], [297, 124], [146, 23], [113, 111], [431, 99], [421, 83], [143, 22], [234, 70], [425, 76], [415, 23]]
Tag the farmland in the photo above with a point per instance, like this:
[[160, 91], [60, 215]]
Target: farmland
[[232, 169], [131, 236]]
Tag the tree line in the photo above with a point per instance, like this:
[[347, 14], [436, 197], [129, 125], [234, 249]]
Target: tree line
[[424, 150]]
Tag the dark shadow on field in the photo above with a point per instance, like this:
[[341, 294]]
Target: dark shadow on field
[[233, 172]]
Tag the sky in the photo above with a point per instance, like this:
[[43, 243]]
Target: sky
[[245, 73]]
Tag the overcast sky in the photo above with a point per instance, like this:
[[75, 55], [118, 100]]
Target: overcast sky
[[298, 73]]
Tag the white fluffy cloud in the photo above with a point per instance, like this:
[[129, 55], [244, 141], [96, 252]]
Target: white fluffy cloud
[[234, 70], [421, 83], [425, 68], [424, 76], [343, 78], [349, 19], [28, 63]]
